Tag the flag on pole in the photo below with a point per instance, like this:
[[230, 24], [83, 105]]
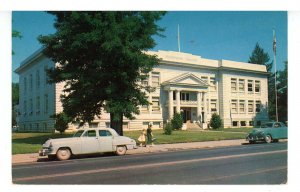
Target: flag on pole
[[274, 42]]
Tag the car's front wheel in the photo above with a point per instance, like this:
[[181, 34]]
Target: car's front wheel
[[121, 150], [63, 154], [268, 139]]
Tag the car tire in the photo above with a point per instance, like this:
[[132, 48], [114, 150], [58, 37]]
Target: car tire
[[251, 142], [268, 139], [63, 154], [121, 150]]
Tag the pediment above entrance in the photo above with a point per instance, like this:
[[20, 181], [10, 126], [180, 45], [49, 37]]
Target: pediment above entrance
[[186, 79]]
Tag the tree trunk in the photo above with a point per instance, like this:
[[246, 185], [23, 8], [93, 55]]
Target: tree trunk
[[116, 122]]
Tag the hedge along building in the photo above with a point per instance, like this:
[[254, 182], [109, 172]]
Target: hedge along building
[[188, 84]]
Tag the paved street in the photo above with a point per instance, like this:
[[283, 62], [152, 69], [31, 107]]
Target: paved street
[[244, 164]]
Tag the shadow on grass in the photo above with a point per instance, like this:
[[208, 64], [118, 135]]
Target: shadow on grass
[[39, 139]]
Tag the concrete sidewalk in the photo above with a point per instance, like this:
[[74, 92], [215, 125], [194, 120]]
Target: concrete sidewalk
[[33, 157]]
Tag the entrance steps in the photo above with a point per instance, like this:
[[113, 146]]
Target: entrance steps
[[192, 126]]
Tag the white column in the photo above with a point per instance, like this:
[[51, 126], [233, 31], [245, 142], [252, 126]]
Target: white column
[[204, 106], [177, 101], [199, 105], [171, 112]]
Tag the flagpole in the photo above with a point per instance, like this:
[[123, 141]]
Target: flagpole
[[274, 52], [178, 38]]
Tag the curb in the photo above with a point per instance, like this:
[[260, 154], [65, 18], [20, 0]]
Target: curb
[[34, 157]]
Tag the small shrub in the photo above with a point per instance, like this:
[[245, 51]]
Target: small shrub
[[61, 122], [168, 129], [215, 121], [177, 121]]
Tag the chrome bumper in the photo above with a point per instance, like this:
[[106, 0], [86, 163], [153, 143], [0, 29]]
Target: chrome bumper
[[45, 151]]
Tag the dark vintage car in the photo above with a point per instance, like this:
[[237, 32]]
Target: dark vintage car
[[268, 132]]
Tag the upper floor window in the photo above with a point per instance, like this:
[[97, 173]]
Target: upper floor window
[[155, 79], [213, 105], [257, 106], [37, 78], [233, 84], [184, 96], [31, 82], [25, 85], [155, 104], [24, 108], [213, 83], [144, 108], [241, 85], [242, 106], [31, 106], [145, 82], [37, 105], [250, 106], [46, 103], [257, 86], [250, 85], [234, 106]]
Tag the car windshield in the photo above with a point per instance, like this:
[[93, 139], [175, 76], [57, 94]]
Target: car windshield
[[78, 133], [266, 125]]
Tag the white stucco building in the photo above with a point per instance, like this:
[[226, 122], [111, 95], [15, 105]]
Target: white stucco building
[[185, 83]]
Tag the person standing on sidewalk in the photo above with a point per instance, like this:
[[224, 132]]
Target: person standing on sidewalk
[[142, 138], [150, 135]]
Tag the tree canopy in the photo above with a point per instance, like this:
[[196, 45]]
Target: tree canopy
[[259, 56], [102, 60]]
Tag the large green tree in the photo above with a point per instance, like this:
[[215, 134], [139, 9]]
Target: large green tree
[[102, 60], [282, 93], [259, 56]]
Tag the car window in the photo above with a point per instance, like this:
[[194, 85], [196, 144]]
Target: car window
[[267, 125], [78, 133], [90, 133], [104, 133]]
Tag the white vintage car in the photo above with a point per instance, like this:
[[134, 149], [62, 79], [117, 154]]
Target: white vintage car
[[87, 141]]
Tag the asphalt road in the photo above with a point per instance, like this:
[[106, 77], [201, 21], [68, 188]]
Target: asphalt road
[[245, 164]]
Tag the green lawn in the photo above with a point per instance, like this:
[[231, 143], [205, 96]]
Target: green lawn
[[32, 142]]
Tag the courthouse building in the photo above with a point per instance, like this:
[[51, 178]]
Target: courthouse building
[[188, 84]]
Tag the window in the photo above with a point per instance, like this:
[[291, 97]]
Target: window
[[257, 106], [37, 78], [24, 108], [257, 86], [241, 85], [37, 105], [204, 78], [233, 84], [242, 106], [145, 82], [30, 106], [31, 82], [155, 79], [277, 125], [144, 108], [250, 86], [250, 123], [107, 124], [90, 133], [45, 75], [25, 85], [46, 103], [234, 123], [213, 105], [243, 123], [213, 84], [234, 106], [174, 95], [155, 104], [250, 106], [104, 133], [184, 96]]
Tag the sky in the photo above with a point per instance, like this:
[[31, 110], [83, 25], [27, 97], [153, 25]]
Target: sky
[[229, 35]]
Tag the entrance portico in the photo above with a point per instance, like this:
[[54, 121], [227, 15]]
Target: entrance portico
[[187, 95]]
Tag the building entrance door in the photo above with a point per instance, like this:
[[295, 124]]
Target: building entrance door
[[186, 114]]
